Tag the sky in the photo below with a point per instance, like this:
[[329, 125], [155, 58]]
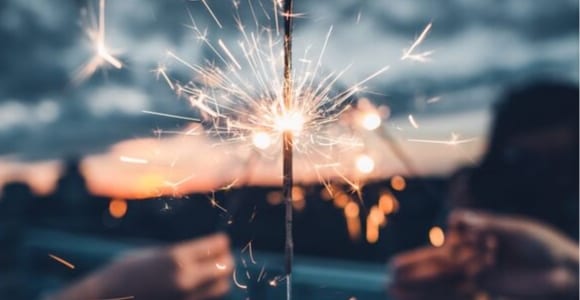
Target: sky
[[478, 47]]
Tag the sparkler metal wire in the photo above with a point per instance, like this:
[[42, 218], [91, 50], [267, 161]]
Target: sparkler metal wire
[[288, 146]]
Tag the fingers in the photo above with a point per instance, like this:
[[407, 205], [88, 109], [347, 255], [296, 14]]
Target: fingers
[[504, 227], [447, 272], [201, 249], [464, 221], [416, 256], [524, 283], [528, 241], [202, 263], [425, 267], [449, 291], [205, 273], [211, 291]]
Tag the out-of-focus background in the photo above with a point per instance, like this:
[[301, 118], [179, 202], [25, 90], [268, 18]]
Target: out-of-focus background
[[85, 175]]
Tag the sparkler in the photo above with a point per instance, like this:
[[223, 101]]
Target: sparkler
[[243, 98], [294, 109], [288, 146]]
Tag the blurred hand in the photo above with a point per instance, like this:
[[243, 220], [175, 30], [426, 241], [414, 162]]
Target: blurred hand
[[533, 261], [436, 273], [194, 270]]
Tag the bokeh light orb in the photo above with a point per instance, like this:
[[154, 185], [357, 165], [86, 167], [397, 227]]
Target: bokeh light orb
[[261, 140], [371, 121], [365, 164]]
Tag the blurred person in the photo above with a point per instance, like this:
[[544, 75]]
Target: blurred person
[[531, 166], [192, 270], [525, 245], [491, 255]]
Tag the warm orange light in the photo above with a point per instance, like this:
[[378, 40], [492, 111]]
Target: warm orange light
[[365, 164], [351, 210], [341, 200], [149, 184], [436, 236], [118, 208], [274, 198], [325, 194], [353, 228], [299, 205], [298, 194], [291, 121], [376, 216], [398, 183], [372, 232], [371, 121], [261, 140], [387, 203], [298, 198]]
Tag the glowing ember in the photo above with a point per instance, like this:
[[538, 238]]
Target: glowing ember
[[292, 122], [62, 261]]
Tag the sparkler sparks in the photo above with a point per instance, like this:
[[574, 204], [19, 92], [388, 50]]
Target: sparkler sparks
[[453, 141], [256, 95], [133, 160], [248, 248], [253, 94], [237, 283], [408, 54], [217, 21], [413, 122], [243, 99], [103, 55], [62, 261]]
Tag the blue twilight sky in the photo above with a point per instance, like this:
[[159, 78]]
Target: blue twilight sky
[[479, 46]]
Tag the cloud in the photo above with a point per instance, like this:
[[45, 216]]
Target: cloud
[[117, 100], [479, 48], [15, 114]]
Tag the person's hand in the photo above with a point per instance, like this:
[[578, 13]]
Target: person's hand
[[194, 270], [447, 272], [533, 261]]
